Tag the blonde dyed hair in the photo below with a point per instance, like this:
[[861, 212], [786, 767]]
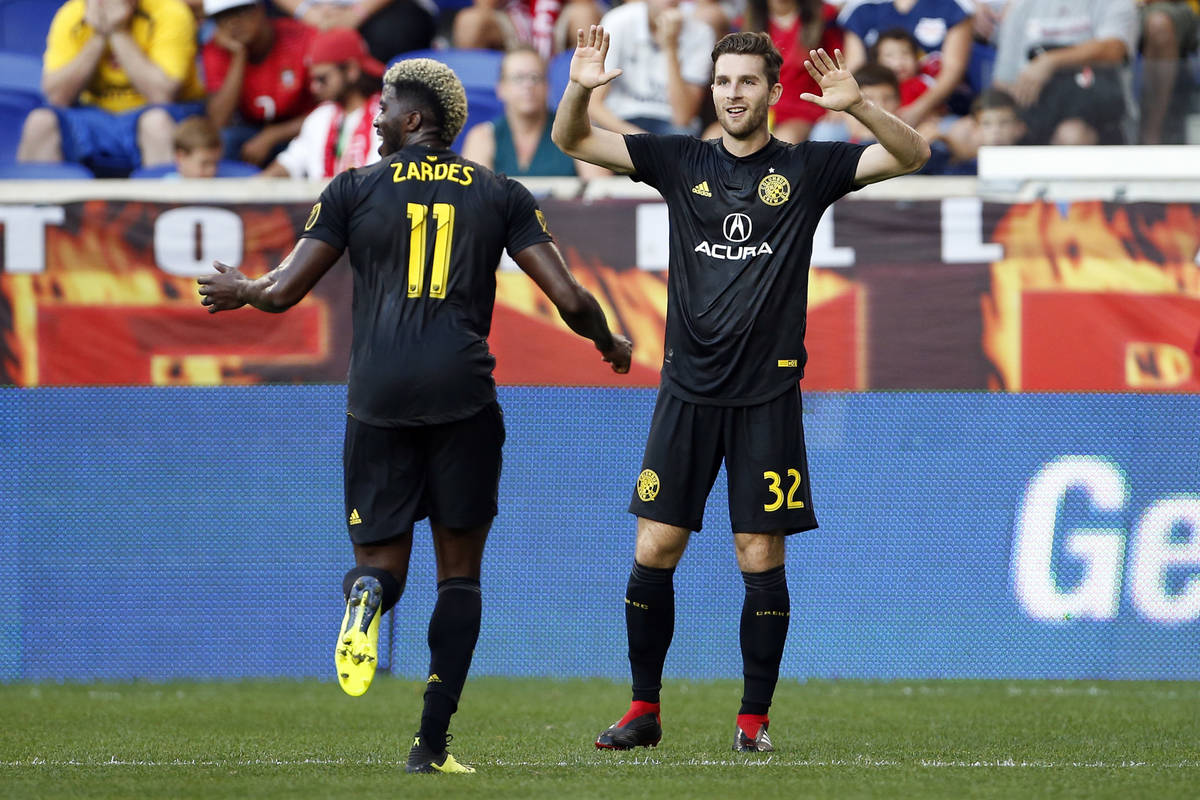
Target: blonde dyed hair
[[436, 81]]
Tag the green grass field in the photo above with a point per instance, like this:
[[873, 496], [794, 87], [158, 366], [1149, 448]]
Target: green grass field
[[534, 739]]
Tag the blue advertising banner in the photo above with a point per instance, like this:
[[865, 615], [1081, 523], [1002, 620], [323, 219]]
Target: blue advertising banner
[[199, 533]]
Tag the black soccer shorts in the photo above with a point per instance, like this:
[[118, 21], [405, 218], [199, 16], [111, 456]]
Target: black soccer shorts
[[763, 449], [396, 476]]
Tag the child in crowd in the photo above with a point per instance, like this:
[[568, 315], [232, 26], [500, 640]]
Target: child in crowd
[[995, 121], [198, 148], [879, 85], [897, 49]]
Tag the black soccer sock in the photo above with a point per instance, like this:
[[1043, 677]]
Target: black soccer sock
[[650, 624], [453, 631], [765, 617], [392, 588]]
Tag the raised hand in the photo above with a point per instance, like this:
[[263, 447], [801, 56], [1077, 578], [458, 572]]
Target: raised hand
[[667, 28], [94, 16], [839, 90], [118, 13], [587, 65], [235, 47]]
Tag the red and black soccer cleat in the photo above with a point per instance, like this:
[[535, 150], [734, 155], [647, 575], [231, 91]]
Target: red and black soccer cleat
[[640, 727]]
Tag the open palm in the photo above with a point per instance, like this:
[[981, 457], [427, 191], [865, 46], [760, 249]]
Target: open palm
[[839, 90], [587, 65]]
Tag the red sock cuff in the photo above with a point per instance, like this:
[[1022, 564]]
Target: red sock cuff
[[639, 708], [750, 723]]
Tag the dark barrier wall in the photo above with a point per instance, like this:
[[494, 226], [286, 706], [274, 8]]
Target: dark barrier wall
[[163, 533]]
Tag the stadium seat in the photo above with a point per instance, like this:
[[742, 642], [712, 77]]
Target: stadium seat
[[38, 172], [559, 74], [477, 69], [21, 72], [225, 169], [24, 25]]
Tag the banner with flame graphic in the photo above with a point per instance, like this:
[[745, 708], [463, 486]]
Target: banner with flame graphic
[[956, 294]]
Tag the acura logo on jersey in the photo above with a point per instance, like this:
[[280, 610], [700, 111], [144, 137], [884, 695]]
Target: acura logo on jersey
[[731, 252], [736, 227]]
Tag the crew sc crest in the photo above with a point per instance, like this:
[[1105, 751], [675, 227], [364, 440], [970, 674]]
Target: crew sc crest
[[774, 189], [647, 485]]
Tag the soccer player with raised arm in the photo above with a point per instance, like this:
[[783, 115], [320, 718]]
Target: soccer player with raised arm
[[742, 209], [425, 229]]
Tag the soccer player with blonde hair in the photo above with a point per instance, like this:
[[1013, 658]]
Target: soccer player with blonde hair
[[425, 229]]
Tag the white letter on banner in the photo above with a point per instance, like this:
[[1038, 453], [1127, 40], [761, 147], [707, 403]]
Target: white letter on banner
[[962, 233], [187, 240], [824, 252], [25, 236], [1153, 553], [653, 236], [1101, 549]]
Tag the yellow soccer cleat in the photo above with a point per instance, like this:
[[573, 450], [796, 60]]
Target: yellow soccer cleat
[[357, 652], [426, 759]]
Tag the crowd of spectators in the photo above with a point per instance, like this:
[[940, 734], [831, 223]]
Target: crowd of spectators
[[292, 86]]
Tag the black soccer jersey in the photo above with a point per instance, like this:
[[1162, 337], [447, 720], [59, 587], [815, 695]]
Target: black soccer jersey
[[425, 229], [741, 239]]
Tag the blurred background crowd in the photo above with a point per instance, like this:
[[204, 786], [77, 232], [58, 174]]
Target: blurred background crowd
[[289, 88]]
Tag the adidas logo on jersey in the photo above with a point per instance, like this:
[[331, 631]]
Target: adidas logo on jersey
[[355, 519], [702, 189]]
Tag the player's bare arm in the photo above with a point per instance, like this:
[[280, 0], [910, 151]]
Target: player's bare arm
[[579, 309], [899, 149], [573, 131], [278, 290]]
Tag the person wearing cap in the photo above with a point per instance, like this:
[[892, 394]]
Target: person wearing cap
[[257, 80], [117, 76], [339, 133]]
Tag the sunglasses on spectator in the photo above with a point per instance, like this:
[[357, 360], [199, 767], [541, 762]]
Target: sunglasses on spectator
[[531, 78]]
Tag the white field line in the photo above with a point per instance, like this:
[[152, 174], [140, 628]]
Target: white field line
[[750, 761]]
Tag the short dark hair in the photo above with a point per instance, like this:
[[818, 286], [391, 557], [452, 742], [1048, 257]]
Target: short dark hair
[[749, 43], [899, 35], [873, 73], [993, 98]]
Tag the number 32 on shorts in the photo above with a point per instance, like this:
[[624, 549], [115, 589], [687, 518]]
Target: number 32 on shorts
[[775, 487]]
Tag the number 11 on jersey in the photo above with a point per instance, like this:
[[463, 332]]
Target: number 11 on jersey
[[443, 219]]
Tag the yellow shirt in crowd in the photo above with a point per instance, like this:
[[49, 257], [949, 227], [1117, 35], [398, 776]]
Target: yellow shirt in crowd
[[165, 30]]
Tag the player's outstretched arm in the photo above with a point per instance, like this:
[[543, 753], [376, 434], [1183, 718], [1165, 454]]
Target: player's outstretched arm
[[573, 131], [900, 149], [579, 309], [278, 290]]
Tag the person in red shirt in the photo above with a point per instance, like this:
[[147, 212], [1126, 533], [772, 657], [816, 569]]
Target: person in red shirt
[[256, 78], [339, 133], [795, 27]]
